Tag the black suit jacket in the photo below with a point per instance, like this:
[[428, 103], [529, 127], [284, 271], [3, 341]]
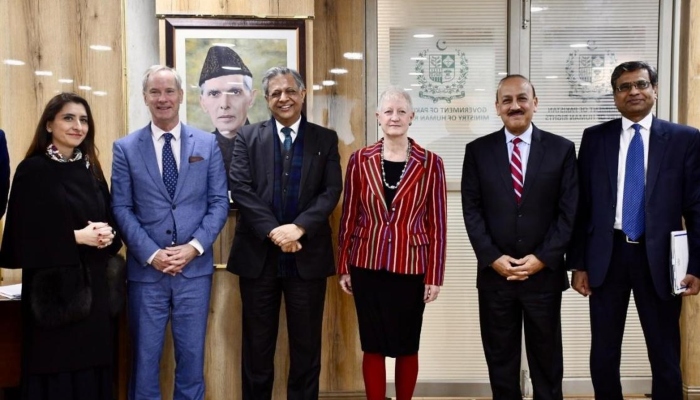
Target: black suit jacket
[[672, 192], [543, 222], [4, 173], [252, 186]]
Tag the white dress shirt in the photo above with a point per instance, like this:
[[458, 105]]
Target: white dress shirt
[[294, 127]]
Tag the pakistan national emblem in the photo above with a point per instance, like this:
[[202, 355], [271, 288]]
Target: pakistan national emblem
[[446, 73], [589, 72]]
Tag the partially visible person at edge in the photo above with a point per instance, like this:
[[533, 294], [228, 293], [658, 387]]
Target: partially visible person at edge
[[391, 245], [169, 200], [640, 179], [4, 173], [286, 180], [519, 195], [226, 95], [59, 221]]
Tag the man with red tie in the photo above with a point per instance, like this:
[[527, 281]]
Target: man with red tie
[[519, 196]]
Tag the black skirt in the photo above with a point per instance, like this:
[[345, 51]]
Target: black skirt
[[389, 311]]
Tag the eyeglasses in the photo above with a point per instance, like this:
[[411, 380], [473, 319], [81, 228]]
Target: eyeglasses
[[626, 87]]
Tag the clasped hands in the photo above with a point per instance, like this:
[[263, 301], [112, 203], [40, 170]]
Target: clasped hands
[[95, 234], [287, 237], [173, 259], [517, 269]]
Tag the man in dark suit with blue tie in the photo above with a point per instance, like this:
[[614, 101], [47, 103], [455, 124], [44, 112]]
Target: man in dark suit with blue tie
[[519, 194], [169, 198], [285, 177], [640, 176]]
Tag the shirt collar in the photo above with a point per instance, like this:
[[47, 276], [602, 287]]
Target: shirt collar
[[525, 136], [645, 123], [157, 133], [294, 126]]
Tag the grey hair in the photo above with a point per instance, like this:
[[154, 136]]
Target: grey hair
[[395, 92], [157, 68], [275, 71], [247, 84]]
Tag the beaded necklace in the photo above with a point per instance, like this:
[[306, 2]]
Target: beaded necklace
[[403, 171]]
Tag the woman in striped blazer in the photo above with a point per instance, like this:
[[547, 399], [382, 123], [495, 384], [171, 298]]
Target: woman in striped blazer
[[391, 245]]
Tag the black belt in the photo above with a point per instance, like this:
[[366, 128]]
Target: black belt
[[622, 236]]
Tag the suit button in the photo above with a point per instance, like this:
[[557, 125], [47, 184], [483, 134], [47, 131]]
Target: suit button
[[389, 240], [520, 240], [520, 215], [174, 206], [169, 232]]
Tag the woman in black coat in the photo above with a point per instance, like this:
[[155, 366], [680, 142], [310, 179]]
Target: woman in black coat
[[59, 231]]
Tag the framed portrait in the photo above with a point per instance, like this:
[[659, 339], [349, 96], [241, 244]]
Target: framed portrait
[[259, 44]]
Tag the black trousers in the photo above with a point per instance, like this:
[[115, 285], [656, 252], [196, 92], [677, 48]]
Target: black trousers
[[304, 302], [629, 271], [502, 315]]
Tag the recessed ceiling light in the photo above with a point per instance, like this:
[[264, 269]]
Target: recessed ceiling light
[[418, 58], [339, 71], [503, 73], [415, 73], [423, 35], [328, 83], [83, 87], [538, 9], [577, 45], [479, 90], [551, 77], [353, 56], [13, 62], [317, 87], [65, 80], [100, 47], [43, 73], [99, 93]]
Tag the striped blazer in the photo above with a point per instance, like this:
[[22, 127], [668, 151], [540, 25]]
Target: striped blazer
[[410, 237]]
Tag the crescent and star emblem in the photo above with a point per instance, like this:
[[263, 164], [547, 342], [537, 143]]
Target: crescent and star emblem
[[441, 44]]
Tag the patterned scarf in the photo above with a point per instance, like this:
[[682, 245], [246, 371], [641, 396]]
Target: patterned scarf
[[54, 154]]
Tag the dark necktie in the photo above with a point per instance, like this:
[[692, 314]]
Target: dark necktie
[[633, 193], [169, 166], [287, 138], [516, 170]]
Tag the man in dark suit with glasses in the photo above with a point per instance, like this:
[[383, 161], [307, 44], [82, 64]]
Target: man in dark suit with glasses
[[639, 178]]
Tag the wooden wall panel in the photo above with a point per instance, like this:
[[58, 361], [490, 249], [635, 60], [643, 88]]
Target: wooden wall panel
[[339, 27], [689, 113], [55, 36], [239, 8]]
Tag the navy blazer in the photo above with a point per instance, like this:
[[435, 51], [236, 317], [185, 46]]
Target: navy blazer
[[543, 222], [672, 192], [252, 185]]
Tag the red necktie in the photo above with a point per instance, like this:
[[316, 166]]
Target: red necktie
[[516, 170]]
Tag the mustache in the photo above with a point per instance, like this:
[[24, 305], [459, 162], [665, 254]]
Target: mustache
[[516, 112]]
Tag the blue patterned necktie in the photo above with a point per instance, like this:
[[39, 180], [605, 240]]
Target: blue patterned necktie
[[169, 166], [633, 194], [287, 138]]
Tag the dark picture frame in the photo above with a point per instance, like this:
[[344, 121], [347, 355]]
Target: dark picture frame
[[261, 44]]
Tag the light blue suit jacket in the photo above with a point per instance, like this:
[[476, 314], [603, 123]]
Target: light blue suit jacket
[[144, 211]]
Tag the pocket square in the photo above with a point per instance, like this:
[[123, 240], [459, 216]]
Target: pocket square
[[195, 159]]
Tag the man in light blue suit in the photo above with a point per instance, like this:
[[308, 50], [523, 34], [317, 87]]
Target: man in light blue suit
[[169, 197]]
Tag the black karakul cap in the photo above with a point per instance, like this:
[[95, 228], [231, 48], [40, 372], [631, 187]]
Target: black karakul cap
[[220, 61]]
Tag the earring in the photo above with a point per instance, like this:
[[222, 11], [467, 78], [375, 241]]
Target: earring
[[410, 123]]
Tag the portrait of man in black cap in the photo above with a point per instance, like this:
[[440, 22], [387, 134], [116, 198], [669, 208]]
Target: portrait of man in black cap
[[226, 95]]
